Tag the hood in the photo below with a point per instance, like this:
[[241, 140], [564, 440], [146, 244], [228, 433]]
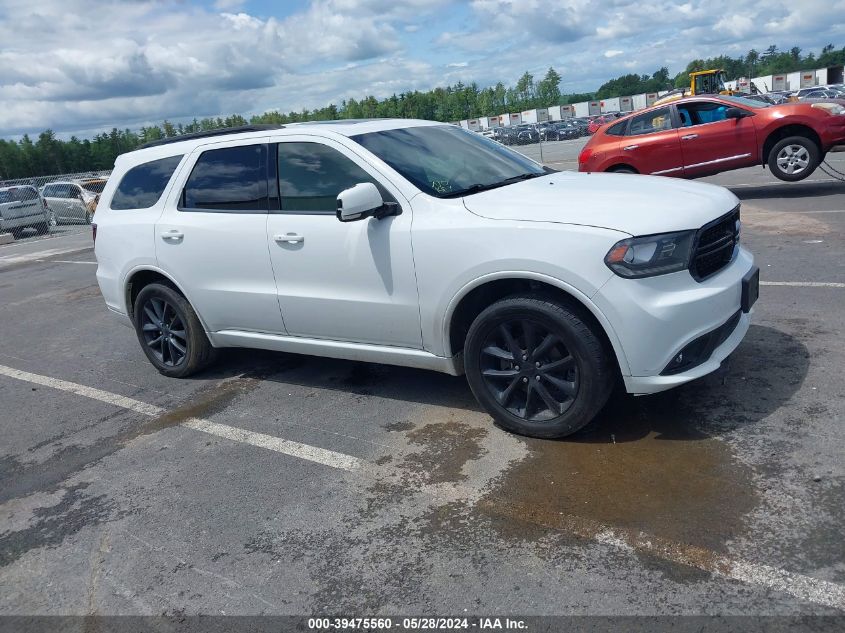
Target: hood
[[637, 205]]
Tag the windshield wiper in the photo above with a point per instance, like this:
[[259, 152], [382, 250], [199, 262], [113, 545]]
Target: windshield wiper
[[476, 188]]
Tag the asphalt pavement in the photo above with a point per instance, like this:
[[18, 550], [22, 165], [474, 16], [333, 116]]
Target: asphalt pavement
[[284, 484]]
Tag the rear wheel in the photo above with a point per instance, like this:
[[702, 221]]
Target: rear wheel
[[170, 332], [42, 228], [537, 366], [794, 158]]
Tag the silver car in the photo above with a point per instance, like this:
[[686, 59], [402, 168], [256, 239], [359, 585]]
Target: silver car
[[70, 202], [22, 207]]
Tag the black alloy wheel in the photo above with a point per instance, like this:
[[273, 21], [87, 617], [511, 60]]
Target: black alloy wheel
[[529, 370], [164, 332], [538, 366], [170, 333]]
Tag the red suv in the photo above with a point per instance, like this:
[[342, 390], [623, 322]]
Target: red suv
[[700, 136]]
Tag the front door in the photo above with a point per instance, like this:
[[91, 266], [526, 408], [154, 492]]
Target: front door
[[344, 281], [212, 238], [711, 142]]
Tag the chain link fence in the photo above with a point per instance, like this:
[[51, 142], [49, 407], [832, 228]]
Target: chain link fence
[[44, 206]]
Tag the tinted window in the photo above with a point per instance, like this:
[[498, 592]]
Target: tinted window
[[229, 179], [651, 121], [311, 175], [6, 197], [142, 186], [618, 129], [698, 113]]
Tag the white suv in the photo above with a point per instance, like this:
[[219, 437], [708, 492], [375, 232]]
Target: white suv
[[421, 244]]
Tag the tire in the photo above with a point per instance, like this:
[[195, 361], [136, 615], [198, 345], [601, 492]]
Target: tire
[[159, 303], [42, 228], [797, 153], [575, 371], [622, 170]]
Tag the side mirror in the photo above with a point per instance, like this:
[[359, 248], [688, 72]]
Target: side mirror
[[737, 113], [362, 201]]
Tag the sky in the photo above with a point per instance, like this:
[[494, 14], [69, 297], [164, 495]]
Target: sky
[[83, 66]]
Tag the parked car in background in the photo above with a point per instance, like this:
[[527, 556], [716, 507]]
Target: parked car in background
[[526, 134], [504, 135], [824, 93], [598, 121], [71, 202], [762, 98], [22, 207], [700, 136], [422, 244], [559, 131], [581, 123]]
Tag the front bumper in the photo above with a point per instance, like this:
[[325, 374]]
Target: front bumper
[[657, 317]]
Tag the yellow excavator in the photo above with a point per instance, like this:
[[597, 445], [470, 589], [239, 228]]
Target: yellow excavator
[[702, 82]]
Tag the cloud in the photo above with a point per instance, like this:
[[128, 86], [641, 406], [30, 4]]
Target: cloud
[[156, 59]]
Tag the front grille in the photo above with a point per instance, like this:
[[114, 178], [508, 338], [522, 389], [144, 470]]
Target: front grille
[[715, 245]]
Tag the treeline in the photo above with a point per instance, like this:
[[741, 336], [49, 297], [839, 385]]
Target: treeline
[[772, 61], [49, 155]]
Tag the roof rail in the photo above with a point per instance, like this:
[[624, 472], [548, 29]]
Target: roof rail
[[217, 132]]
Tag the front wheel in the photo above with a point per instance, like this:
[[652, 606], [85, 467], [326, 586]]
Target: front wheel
[[537, 367], [794, 158], [170, 332]]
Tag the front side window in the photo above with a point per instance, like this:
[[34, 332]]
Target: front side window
[[701, 112], [232, 179], [311, 175], [650, 122], [446, 161], [142, 186]]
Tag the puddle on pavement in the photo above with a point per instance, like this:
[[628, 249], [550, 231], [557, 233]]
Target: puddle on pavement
[[446, 448], [661, 477]]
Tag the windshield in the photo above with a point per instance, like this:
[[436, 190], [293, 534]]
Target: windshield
[[447, 161], [748, 103]]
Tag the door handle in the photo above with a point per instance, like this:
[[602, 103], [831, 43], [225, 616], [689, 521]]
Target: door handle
[[173, 235], [630, 147], [290, 238], [689, 137]]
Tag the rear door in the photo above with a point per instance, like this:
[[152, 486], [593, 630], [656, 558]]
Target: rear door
[[651, 144], [711, 142], [212, 237]]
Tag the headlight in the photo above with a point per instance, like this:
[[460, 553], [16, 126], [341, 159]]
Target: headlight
[[832, 108], [650, 255]]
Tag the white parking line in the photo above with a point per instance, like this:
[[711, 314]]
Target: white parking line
[[288, 447], [9, 260], [803, 587], [805, 284]]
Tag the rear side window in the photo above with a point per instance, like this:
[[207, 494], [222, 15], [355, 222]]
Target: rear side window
[[142, 186], [617, 129], [311, 175], [6, 197], [650, 122], [232, 179]]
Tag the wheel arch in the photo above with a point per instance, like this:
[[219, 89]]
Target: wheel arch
[[616, 166], [785, 131], [142, 276], [477, 295]]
